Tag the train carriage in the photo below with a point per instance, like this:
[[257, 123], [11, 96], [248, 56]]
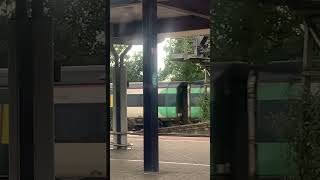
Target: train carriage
[[196, 90], [80, 119], [274, 92], [172, 103]]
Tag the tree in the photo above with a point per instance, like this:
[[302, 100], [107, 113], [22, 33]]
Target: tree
[[176, 70], [134, 66], [85, 19], [6, 8], [253, 32], [304, 147]]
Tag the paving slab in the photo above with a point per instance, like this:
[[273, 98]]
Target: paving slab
[[186, 158], [181, 158]]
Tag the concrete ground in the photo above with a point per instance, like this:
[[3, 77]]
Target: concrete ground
[[186, 158], [181, 158]]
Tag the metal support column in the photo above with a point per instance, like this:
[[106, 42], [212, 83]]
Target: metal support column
[[150, 86], [31, 149], [107, 77], [120, 122]]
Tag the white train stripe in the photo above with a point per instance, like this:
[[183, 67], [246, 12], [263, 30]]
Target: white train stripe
[[140, 91], [135, 112], [134, 91]]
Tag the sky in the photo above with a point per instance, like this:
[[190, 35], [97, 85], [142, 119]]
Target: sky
[[161, 53]]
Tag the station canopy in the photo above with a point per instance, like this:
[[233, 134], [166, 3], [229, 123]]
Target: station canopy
[[176, 18]]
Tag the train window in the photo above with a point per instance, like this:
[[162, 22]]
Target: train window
[[135, 100], [162, 100], [194, 99], [167, 100], [80, 122], [4, 95]]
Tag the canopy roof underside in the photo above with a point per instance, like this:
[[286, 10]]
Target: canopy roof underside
[[176, 18]]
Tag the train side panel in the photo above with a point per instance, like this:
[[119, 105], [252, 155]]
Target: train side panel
[[195, 97], [271, 141]]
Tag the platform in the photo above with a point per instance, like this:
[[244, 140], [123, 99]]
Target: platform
[[181, 158], [186, 158]]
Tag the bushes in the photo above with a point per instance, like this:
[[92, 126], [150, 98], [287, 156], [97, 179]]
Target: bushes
[[304, 140], [205, 107]]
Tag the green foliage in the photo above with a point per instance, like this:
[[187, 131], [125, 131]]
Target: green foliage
[[304, 115], [176, 70], [79, 32], [85, 19], [6, 8], [252, 32], [134, 66], [204, 104]]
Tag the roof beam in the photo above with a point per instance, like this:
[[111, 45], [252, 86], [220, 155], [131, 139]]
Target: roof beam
[[190, 5], [189, 12], [132, 31], [119, 3]]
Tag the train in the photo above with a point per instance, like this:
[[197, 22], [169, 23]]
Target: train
[[178, 103], [251, 131], [80, 145], [80, 118]]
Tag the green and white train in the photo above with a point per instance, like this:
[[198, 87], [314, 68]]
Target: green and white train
[[80, 117], [178, 103]]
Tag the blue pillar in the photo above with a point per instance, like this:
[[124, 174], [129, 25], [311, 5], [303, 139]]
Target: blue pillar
[[150, 86]]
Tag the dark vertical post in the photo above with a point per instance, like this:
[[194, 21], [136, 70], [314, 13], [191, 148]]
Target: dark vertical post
[[116, 92], [21, 160], [31, 96], [150, 86], [57, 71], [43, 116], [107, 69]]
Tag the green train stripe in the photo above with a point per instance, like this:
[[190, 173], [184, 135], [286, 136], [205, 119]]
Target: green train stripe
[[273, 160], [167, 112], [170, 112], [168, 91], [195, 90], [277, 91], [195, 112], [199, 90]]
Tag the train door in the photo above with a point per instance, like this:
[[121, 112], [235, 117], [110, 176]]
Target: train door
[[182, 102]]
